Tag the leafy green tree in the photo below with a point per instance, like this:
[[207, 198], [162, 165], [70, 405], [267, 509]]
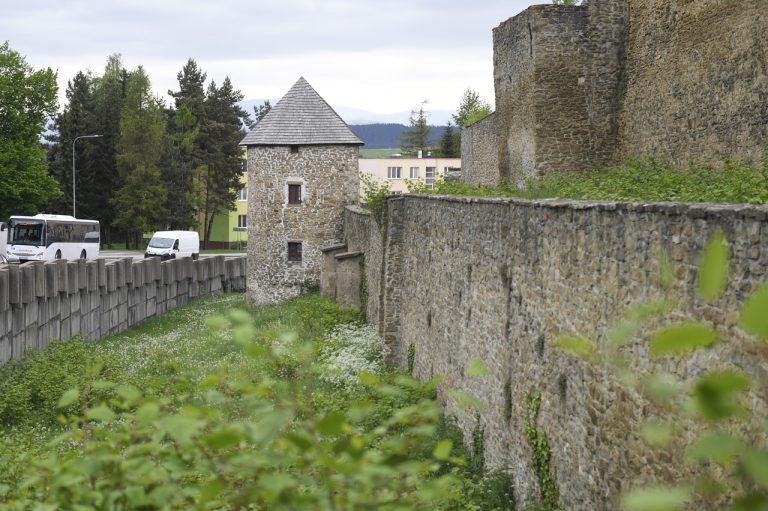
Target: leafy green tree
[[471, 109], [221, 154], [449, 148], [140, 202], [416, 138], [27, 98]]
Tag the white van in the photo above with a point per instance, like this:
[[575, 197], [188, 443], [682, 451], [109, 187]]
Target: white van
[[172, 244]]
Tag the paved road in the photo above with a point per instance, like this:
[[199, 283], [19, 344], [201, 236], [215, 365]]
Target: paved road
[[120, 254]]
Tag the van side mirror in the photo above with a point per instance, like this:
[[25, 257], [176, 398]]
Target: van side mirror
[[176, 245]]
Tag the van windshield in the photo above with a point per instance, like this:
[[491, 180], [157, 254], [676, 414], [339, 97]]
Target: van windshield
[[161, 242]]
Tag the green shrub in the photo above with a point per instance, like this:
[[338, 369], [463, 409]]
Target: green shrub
[[374, 195]]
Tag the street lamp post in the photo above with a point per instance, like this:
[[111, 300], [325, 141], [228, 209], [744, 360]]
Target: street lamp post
[[73, 168]]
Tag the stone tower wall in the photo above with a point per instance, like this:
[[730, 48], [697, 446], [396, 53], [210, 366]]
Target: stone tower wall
[[697, 80], [329, 178], [479, 157]]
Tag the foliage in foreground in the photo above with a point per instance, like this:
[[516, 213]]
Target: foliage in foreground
[[729, 453], [258, 411], [637, 180]]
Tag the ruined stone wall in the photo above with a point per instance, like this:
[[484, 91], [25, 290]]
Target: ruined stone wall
[[501, 279], [42, 302], [479, 154], [697, 80], [562, 128], [515, 83], [329, 178], [362, 233]]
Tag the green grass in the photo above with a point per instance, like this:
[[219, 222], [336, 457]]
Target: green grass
[[637, 181], [162, 404], [378, 153]]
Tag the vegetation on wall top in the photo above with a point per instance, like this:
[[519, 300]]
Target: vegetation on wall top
[[641, 180]]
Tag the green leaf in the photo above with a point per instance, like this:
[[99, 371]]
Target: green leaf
[[475, 367], [211, 490], [656, 498], [722, 449], [755, 466], [622, 332], [369, 379], [713, 267], [223, 438], [754, 314], [465, 400], [576, 345], [129, 393], [714, 394], [332, 424], [147, 413], [179, 427], [443, 450], [100, 413], [69, 397], [659, 390], [680, 338], [657, 434]]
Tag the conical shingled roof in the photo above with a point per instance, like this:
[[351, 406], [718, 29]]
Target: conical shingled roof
[[302, 117]]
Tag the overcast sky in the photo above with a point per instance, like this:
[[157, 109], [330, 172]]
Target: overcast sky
[[382, 56]]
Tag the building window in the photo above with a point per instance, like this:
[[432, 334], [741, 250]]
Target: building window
[[429, 175], [242, 220], [393, 172], [294, 194], [294, 251], [414, 172], [243, 194], [294, 149]]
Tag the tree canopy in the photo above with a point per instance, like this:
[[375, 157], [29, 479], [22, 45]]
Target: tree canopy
[[27, 100], [471, 109]]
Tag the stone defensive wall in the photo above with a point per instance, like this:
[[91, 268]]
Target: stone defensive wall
[[579, 87], [42, 302], [501, 279]]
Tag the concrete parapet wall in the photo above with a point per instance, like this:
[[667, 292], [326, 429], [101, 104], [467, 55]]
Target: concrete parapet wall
[[502, 279], [41, 302]]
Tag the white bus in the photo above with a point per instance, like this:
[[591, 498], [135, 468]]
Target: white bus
[[49, 237]]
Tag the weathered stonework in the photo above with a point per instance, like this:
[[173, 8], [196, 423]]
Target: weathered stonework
[[578, 87], [328, 175], [697, 84], [501, 279], [479, 154], [63, 299]]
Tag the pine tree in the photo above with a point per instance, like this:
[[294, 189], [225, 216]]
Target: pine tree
[[260, 111], [222, 160], [416, 138], [448, 147]]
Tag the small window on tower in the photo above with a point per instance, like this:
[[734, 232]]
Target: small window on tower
[[294, 194], [295, 149], [294, 251]]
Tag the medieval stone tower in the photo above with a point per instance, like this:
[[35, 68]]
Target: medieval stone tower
[[302, 171]]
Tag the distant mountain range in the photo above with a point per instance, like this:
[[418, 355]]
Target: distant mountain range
[[386, 136], [377, 131]]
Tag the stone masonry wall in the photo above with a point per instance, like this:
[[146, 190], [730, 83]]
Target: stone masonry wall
[[41, 302], [329, 178], [501, 279], [479, 154], [363, 233], [514, 83], [697, 80]]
